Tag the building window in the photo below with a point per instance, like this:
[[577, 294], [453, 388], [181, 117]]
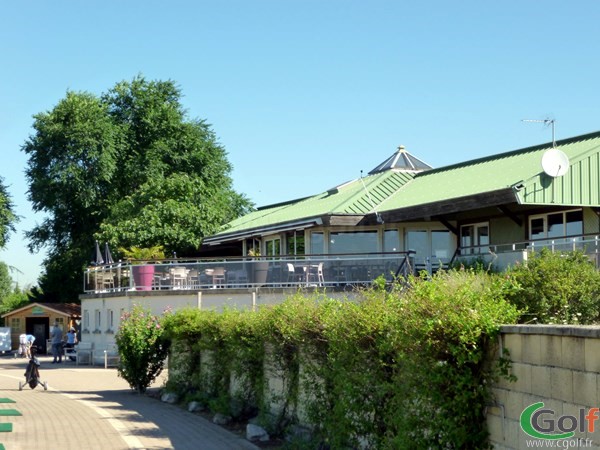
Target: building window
[[432, 248], [98, 320], [474, 238], [295, 243], [353, 242], [556, 225], [273, 247], [110, 319], [86, 320], [15, 323], [317, 243], [391, 241]]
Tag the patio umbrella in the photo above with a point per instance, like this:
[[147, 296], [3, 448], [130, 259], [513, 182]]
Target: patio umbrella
[[97, 259], [108, 259]]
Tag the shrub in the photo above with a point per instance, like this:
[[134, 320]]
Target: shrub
[[142, 348], [404, 368], [559, 288]]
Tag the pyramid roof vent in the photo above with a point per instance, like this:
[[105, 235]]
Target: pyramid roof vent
[[401, 161]]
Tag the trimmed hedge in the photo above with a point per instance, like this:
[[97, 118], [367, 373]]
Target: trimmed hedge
[[400, 369]]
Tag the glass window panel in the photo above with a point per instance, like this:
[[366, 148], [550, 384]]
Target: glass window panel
[[295, 244], [556, 227], [574, 225], [483, 238], [537, 228], [441, 244], [316, 243], [417, 240], [353, 242], [466, 238], [273, 247], [391, 241]]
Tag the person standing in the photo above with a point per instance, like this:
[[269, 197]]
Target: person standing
[[30, 338], [56, 337], [71, 341]]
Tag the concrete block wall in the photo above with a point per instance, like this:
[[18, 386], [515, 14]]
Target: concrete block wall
[[554, 364]]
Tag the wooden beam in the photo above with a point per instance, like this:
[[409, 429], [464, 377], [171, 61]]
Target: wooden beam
[[348, 220], [449, 206], [447, 224]]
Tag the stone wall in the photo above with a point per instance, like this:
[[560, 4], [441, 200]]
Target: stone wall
[[554, 364]]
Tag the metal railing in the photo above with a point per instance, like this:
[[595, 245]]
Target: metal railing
[[589, 244], [332, 270]]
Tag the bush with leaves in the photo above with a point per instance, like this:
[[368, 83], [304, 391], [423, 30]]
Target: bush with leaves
[[400, 369], [142, 348], [219, 359], [560, 288]]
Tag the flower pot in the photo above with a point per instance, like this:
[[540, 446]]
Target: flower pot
[[261, 270], [143, 277]]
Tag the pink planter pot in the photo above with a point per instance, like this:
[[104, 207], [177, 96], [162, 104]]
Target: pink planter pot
[[143, 276]]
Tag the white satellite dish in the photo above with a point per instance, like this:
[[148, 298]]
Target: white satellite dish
[[555, 163]]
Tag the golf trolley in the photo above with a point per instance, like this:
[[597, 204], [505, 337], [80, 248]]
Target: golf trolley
[[32, 372]]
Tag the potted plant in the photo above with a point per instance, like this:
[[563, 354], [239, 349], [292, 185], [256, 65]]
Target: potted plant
[[143, 275], [260, 268]]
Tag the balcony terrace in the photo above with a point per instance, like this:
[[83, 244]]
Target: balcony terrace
[[247, 272], [333, 271]]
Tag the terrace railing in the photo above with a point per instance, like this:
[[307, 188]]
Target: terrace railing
[[589, 244], [248, 272]]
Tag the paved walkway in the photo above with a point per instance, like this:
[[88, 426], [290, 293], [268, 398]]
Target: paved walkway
[[92, 408]]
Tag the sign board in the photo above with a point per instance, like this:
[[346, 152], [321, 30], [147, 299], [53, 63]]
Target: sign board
[[37, 311]]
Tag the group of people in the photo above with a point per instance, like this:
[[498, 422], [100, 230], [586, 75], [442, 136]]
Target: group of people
[[56, 339]]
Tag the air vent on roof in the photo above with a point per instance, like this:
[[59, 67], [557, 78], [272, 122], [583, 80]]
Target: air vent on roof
[[401, 161]]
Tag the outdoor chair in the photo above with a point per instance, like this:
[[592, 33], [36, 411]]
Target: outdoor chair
[[218, 276], [105, 281], [293, 276], [83, 352], [237, 278], [179, 277], [315, 274], [193, 278]]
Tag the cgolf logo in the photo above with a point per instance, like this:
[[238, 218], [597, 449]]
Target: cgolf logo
[[542, 423]]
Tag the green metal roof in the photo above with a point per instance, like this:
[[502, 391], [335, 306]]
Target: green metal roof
[[506, 170], [357, 197], [518, 173]]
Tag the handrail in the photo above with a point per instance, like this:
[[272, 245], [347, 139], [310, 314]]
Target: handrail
[[575, 242], [320, 270]]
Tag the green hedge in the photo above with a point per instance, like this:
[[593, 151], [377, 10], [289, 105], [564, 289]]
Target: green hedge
[[400, 369], [557, 288]]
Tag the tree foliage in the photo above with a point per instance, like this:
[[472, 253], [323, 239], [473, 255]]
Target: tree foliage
[[142, 348], [11, 297], [129, 168], [557, 287], [8, 218]]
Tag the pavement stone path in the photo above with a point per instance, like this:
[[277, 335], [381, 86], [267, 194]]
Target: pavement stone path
[[92, 408]]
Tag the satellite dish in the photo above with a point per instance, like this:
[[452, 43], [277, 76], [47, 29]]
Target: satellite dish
[[555, 163]]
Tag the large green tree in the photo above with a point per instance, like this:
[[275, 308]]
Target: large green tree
[[8, 218], [11, 297], [127, 167]]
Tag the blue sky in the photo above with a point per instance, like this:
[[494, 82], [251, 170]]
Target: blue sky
[[306, 94]]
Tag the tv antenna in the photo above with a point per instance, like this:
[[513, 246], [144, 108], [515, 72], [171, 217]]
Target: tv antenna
[[545, 122], [377, 215]]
